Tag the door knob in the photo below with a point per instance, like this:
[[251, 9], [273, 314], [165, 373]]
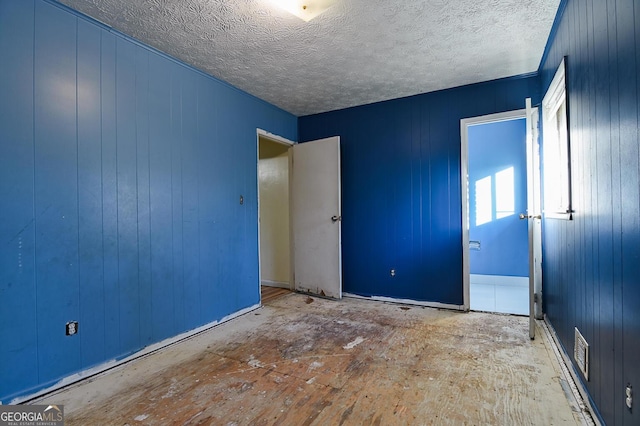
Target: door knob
[[336, 218]]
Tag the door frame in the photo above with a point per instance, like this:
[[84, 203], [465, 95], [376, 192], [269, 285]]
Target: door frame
[[289, 143], [464, 193]]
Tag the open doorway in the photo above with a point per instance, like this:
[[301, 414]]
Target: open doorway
[[500, 184], [299, 215], [498, 239], [274, 214]]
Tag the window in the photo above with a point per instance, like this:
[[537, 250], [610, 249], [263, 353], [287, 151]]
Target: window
[[556, 161], [505, 193], [484, 201], [501, 187]]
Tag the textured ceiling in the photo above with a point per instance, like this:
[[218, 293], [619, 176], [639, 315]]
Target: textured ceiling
[[357, 52]]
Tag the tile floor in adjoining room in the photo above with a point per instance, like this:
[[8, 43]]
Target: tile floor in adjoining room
[[499, 295]]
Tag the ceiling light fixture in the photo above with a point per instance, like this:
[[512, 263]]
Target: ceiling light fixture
[[305, 9]]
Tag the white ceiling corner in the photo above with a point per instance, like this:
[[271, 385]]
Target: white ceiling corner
[[356, 52]]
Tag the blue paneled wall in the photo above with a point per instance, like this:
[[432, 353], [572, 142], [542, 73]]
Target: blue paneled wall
[[120, 176], [121, 169], [591, 265], [401, 186]]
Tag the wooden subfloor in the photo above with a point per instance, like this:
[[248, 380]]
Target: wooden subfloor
[[270, 293], [308, 361]]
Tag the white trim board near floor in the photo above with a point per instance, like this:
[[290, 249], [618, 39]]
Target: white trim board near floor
[[499, 280], [279, 284], [576, 391], [407, 302], [84, 374]]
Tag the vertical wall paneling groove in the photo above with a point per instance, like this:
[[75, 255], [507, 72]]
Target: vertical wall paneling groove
[[126, 189], [628, 345], [176, 196], [190, 204], [18, 320], [207, 193], [90, 247], [401, 186], [592, 263], [109, 197], [143, 198], [120, 172], [615, 362], [160, 189], [56, 188]]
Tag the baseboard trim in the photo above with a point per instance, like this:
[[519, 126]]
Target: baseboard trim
[[279, 284], [580, 394], [106, 366], [408, 302]]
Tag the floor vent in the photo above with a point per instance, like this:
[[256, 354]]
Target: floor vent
[[581, 354]]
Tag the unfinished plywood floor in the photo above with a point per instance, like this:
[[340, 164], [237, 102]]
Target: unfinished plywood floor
[[268, 294], [309, 361]]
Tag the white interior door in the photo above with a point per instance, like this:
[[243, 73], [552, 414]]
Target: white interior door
[[316, 217], [534, 218]]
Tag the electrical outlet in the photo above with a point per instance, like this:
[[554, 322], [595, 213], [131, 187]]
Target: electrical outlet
[[392, 272], [72, 328], [629, 395]]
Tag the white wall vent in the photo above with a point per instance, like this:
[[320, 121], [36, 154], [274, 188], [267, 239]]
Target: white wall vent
[[581, 354]]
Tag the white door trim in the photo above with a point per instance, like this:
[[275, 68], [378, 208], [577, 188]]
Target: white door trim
[[534, 204], [274, 137], [464, 183], [284, 141]]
